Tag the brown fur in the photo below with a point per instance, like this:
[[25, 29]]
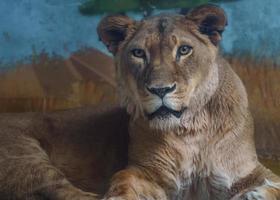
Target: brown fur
[[206, 149], [59, 156]]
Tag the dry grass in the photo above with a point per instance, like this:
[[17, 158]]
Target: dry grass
[[262, 81], [55, 84], [272, 164]]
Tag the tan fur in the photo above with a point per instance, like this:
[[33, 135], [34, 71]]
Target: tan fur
[[63, 155], [208, 152]]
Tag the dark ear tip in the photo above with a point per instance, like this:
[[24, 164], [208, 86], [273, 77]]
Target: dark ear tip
[[112, 20], [105, 20], [112, 30], [211, 20], [209, 9]]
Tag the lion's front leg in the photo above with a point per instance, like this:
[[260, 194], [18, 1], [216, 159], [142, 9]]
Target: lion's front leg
[[134, 184], [268, 189]]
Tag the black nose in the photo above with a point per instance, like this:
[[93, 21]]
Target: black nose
[[161, 91]]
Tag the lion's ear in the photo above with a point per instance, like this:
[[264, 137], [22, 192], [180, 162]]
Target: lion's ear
[[211, 20], [112, 30]]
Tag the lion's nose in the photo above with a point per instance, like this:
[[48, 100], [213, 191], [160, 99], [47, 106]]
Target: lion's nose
[[161, 91]]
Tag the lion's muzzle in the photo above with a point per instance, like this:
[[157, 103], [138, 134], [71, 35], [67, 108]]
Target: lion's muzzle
[[162, 91], [161, 104]]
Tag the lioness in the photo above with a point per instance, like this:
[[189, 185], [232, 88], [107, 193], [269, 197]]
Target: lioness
[[191, 136]]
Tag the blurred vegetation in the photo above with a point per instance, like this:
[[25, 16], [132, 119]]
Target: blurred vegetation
[[93, 7], [261, 79]]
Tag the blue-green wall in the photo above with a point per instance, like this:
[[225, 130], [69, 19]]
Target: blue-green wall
[[55, 26]]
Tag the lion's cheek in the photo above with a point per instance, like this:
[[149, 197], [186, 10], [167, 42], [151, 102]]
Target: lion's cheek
[[129, 95], [188, 95]]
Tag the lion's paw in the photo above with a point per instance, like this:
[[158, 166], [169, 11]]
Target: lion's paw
[[116, 198], [124, 198], [256, 194], [268, 191]]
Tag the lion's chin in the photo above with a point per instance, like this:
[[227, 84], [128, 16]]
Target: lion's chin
[[165, 118], [167, 123]]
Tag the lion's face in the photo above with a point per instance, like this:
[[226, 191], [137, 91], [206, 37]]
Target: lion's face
[[165, 64]]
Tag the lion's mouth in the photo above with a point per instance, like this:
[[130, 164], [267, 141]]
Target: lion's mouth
[[164, 112]]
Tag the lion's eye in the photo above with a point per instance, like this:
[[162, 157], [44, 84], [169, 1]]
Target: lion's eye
[[139, 53], [184, 50]]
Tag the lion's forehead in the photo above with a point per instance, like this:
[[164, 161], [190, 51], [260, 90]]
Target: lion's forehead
[[160, 24], [164, 30]]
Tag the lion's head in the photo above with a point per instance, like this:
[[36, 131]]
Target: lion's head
[[166, 64]]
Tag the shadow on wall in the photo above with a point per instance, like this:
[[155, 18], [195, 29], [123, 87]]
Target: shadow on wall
[[85, 78]]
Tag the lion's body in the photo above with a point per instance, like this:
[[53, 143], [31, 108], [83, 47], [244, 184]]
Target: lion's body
[[191, 132], [40, 153], [214, 159]]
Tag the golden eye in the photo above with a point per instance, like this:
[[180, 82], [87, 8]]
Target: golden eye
[[184, 50], [139, 53]]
